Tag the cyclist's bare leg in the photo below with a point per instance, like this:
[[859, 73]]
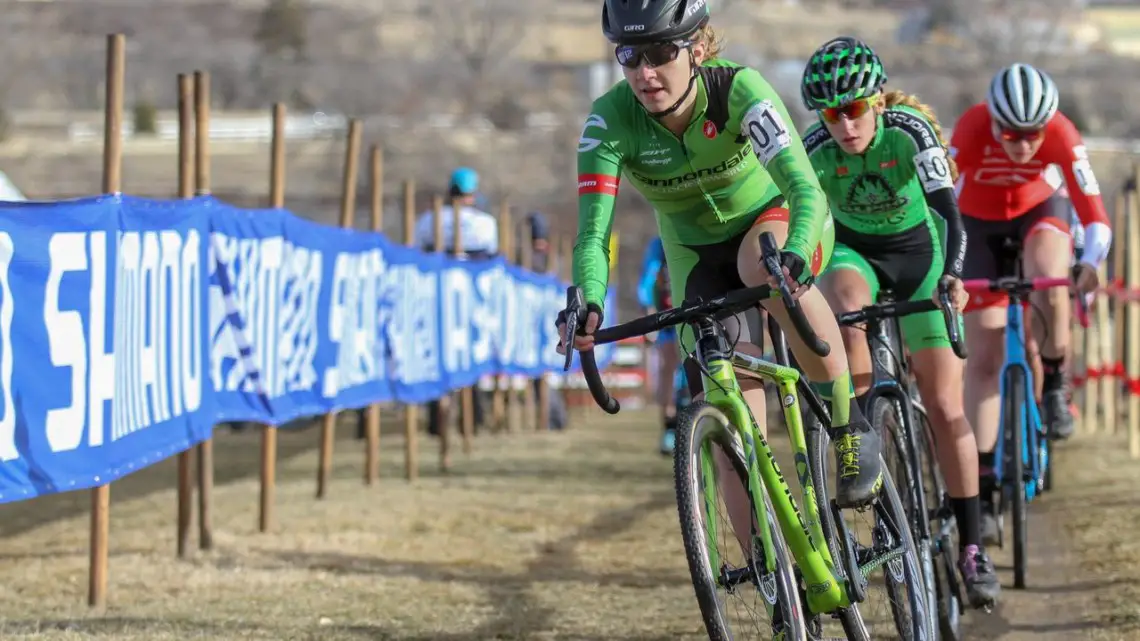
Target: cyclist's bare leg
[[985, 341], [856, 443], [1048, 254], [938, 373], [1033, 355], [846, 291]]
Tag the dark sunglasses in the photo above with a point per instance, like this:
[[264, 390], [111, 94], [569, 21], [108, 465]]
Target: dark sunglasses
[[1013, 135], [655, 54], [854, 109]]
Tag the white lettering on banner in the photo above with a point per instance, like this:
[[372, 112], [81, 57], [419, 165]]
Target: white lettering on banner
[[457, 298], [354, 321], [276, 286], [490, 321], [8, 449], [154, 364], [408, 316], [158, 329]]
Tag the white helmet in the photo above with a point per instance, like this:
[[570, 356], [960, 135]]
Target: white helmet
[[1022, 97]]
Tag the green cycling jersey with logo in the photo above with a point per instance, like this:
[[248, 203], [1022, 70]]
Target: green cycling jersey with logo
[[738, 157], [896, 217]]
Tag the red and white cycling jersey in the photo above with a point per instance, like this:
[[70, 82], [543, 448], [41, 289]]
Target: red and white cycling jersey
[[992, 187]]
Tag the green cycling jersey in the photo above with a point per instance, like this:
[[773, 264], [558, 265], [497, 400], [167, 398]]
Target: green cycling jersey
[[894, 185], [706, 186], [894, 206]]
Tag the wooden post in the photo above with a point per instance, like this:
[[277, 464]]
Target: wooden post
[[1086, 346], [112, 184], [411, 418], [443, 414], [185, 190], [1113, 298], [529, 411], [269, 432], [202, 187], [502, 382], [1132, 362], [372, 424], [1105, 402], [507, 247], [542, 421], [467, 394], [347, 209]]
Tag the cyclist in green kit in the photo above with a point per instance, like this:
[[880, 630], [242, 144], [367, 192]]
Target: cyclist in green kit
[[883, 163], [710, 145]]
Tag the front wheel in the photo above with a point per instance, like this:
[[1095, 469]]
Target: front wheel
[[1016, 419], [766, 602]]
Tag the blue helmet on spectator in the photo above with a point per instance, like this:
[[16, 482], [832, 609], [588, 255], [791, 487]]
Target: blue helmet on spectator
[[464, 180]]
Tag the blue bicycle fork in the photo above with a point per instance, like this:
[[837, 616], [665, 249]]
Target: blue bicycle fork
[[1032, 440]]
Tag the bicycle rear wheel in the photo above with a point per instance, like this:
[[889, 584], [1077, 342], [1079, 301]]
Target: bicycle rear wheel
[[701, 428], [1013, 408]]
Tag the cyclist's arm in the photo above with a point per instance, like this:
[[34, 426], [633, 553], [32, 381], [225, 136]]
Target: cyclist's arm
[[599, 170], [765, 121], [932, 170], [1067, 149], [650, 265]]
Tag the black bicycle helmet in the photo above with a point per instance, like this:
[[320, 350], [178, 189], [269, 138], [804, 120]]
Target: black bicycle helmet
[[630, 22]]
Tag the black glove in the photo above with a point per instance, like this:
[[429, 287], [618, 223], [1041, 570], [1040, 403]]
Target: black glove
[[797, 268], [581, 329]]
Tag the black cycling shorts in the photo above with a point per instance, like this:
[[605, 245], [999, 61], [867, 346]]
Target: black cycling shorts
[[985, 238]]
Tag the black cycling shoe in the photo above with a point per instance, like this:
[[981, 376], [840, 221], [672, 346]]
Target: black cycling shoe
[[982, 584], [857, 463], [1055, 413]]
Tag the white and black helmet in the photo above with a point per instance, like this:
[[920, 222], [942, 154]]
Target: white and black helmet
[[1022, 97]]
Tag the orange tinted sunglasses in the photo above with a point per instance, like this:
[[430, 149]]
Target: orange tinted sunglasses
[[1013, 135], [852, 110]]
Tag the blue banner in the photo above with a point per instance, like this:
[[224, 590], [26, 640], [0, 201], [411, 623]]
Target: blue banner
[[129, 327]]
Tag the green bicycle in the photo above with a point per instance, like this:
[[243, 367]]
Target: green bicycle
[[722, 418]]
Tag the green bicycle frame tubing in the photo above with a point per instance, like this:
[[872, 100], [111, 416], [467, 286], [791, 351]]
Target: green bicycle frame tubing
[[824, 593]]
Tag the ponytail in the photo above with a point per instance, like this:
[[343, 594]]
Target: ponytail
[[899, 98]]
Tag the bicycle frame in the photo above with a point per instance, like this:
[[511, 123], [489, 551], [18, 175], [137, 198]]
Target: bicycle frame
[[1031, 426], [825, 591], [888, 379]]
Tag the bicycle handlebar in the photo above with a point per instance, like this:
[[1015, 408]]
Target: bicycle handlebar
[[898, 309], [1022, 286], [729, 304]]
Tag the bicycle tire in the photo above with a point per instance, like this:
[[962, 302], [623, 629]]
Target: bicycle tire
[[817, 442], [853, 623], [691, 433], [1014, 411], [888, 416], [944, 531]]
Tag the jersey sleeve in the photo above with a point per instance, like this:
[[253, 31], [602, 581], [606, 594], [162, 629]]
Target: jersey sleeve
[[650, 265], [599, 169], [1067, 150], [920, 142], [764, 119]]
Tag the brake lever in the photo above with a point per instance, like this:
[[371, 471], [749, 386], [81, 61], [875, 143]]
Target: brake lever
[[575, 303], [770, 254]]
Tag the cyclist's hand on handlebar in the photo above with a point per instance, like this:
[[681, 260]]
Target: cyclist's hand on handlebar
[[1085, 278], [584, 337], [952, 286], [796, 274]]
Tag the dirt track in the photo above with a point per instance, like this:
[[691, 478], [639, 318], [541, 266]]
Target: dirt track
[[568, 536]]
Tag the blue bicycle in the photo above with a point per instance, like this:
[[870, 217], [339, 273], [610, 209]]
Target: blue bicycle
[[1021, 477]]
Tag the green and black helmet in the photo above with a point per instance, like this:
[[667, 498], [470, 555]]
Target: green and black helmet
[[841, 71]]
